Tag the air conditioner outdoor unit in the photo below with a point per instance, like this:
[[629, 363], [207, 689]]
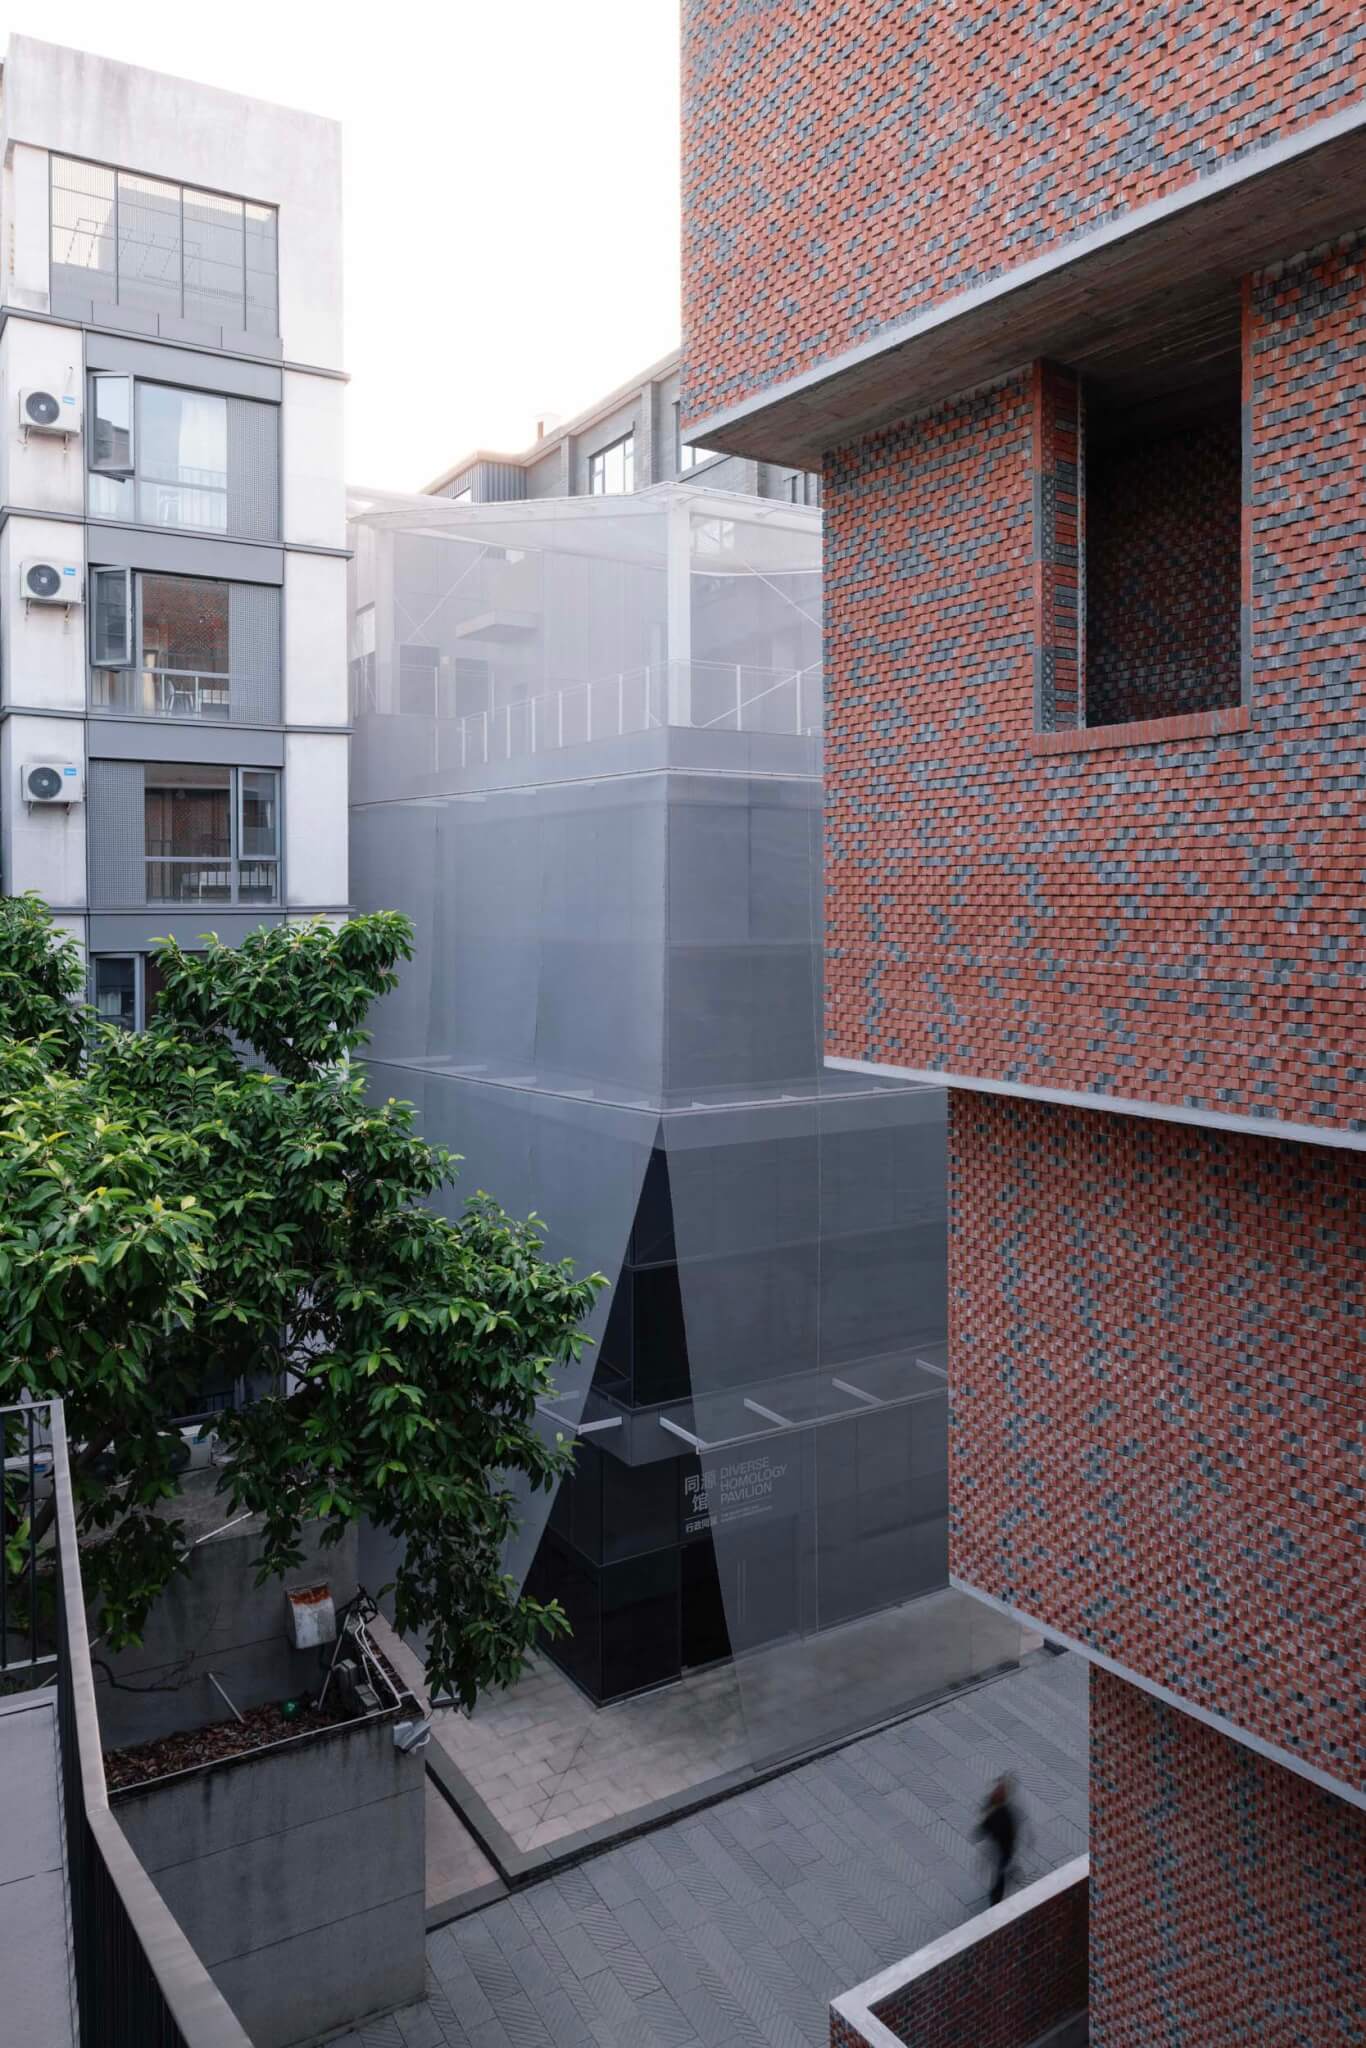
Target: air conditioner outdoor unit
[[51, 782], [49, 412], [44, 582]]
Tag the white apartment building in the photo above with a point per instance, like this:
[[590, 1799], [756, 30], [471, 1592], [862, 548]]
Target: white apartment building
[[173, 697]]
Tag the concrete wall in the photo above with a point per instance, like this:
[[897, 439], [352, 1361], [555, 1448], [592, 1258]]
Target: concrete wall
[[86, 106], [215, 1618], [297, 1876], [315, 819]]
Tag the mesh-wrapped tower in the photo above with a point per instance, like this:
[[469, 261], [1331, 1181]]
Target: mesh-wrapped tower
[[587, 763]]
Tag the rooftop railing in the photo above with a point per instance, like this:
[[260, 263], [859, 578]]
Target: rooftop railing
[[137, 1977], [716, 696]]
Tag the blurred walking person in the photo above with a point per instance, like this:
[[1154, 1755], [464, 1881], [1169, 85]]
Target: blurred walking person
[[999, 1827]]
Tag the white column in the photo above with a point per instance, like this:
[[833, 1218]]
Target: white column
[[678, 616]]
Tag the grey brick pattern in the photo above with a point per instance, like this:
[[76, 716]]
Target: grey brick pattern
[[738, 1925]]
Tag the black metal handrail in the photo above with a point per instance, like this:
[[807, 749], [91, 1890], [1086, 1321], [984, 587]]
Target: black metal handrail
[[137, 1978]]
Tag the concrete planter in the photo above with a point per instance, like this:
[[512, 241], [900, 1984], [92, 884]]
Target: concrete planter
[[214, 1617], [296, 1872]]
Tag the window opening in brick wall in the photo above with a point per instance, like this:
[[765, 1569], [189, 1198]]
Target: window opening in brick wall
[[1138, 508], [1161, 556]]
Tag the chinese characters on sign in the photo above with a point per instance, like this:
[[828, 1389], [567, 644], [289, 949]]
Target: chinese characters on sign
[[740, 1490]]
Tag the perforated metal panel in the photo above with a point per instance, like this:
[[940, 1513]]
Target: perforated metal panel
[[115, 842], [611, 851], [253, 469], [254, 651]]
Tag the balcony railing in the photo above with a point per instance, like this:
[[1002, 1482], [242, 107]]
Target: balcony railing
[[715, 696], [166, 692], [137, 1977], [211, 878]]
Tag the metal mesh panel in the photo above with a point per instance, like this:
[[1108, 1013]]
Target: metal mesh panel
[[115, 842], [587, 762], [254, 652], [253, 469]]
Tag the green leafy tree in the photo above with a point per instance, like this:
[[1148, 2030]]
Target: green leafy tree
[[216, 1201]]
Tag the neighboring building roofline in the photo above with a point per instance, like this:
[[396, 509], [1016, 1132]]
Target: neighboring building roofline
[[665, 367]]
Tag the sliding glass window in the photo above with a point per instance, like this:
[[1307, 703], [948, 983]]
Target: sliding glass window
[[211, 835], [122, 238]]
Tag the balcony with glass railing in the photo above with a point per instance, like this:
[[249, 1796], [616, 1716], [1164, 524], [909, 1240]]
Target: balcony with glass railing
[[168, 692], [184, 647]]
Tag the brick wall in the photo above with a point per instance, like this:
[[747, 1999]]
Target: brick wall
[[1057, 412], [1158, 1405], [846, 167], [989, 1985], [1177, 920], [1228, 1898], [1164, 573]]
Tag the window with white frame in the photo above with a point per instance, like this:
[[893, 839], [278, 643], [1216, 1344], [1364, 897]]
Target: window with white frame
[[612, 470], [122, 238]]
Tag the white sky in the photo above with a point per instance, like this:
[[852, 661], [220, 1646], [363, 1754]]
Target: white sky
[[510, 199]]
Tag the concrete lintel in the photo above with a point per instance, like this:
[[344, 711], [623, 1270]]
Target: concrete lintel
[[1251, 211], [1338, 1136], [1339, 1788]]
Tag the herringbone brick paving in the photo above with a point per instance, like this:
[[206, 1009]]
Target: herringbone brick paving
[[738, 1925]]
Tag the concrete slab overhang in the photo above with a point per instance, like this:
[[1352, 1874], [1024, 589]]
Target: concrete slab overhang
[[1159, 270]]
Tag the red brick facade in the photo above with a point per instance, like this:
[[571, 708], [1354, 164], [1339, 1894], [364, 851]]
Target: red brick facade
[[845, 167], [1006, 1989], [1095, 764], [1179, 920], [1228, 1897], [1158, 1428]]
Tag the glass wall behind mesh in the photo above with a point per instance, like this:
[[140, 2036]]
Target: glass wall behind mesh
[[587, 763]]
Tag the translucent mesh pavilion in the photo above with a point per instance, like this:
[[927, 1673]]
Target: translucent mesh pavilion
[[587, 764]]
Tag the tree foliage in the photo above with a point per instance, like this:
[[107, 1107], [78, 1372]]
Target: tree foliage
[[215, 1202]]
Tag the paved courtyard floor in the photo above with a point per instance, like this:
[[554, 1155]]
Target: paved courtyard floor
[[738, 1924], [540, 1763]]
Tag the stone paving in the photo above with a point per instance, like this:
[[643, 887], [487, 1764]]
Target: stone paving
[[548, 1764], [738, 1924], [456, 1865]]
